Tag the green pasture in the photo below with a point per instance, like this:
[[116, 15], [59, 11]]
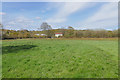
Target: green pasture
[[56, 58]]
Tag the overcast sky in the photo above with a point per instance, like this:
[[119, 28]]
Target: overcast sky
[[80, 15]]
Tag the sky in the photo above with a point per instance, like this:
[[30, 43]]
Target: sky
[[79, 15]]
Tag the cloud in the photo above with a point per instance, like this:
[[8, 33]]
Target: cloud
[[11, 22], [50, 6], [43, 11], [37, 18], [23, 19], [56, 20], [66, 9], [105, 17], [107, 11], [8, 26], [2, 13], [18, 23]]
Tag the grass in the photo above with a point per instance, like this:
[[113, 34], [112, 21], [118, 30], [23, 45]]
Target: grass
[[56, 58]]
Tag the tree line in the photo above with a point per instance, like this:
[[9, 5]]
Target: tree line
[[70, 32]]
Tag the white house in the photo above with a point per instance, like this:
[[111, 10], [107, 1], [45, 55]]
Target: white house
[[41, 34], [58, 34], [37, 34]]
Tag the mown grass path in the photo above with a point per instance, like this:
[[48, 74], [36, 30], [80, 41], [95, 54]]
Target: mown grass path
[[42, 58]]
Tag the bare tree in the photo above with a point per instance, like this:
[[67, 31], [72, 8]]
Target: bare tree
[[47, 29], [45, 26]]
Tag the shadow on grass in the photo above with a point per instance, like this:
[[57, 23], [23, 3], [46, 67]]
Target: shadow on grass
[[15, 49]]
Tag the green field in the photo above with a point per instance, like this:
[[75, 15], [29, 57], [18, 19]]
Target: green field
[[60, 58]]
